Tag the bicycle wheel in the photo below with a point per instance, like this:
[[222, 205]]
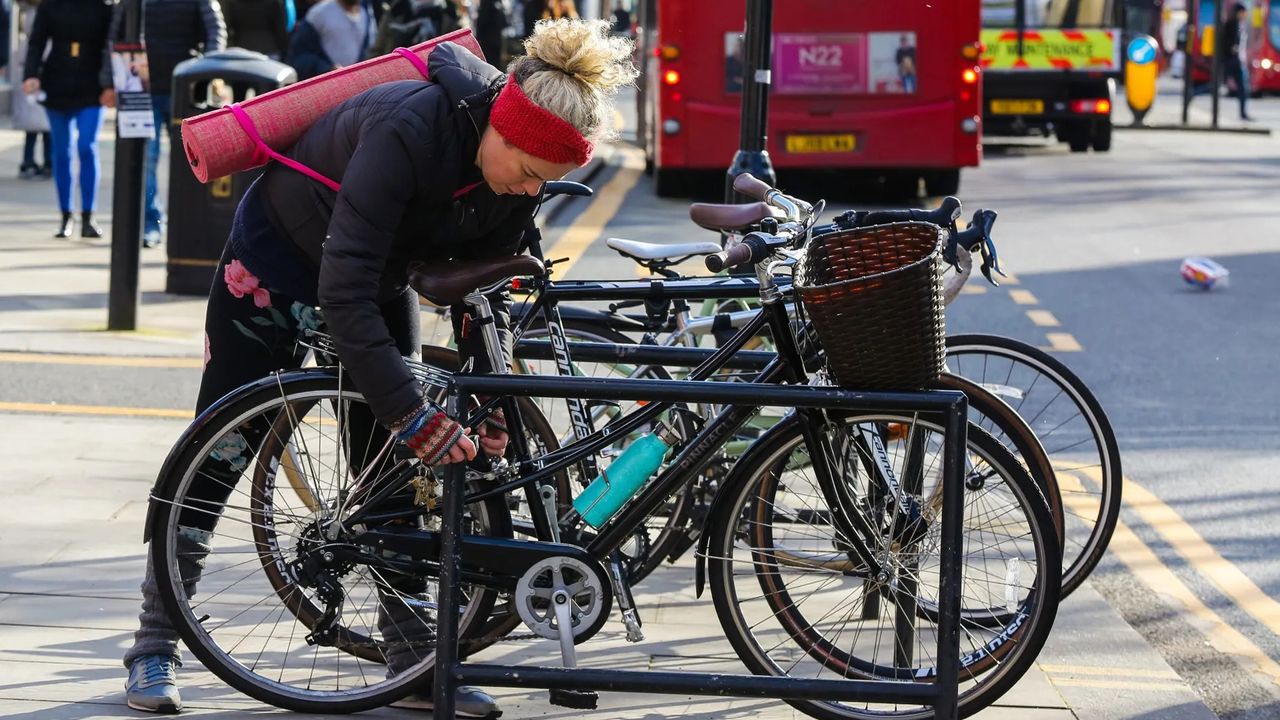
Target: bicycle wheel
[[292, 611], [793, 599], [666, 533], [1071, 425]]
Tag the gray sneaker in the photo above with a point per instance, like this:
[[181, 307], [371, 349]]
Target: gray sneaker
[[468, 702], [153, 685]]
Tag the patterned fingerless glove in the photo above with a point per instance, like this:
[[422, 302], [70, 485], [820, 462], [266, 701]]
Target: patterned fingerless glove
[[429, 433]]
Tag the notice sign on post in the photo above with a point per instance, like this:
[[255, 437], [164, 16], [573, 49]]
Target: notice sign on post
[[134, 116]]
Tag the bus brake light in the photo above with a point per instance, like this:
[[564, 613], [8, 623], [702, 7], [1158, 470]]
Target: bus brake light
[[671, 77], [969, 76]]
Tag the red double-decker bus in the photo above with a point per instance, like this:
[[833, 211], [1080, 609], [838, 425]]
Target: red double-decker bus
[[1264, 47], [892, 88]]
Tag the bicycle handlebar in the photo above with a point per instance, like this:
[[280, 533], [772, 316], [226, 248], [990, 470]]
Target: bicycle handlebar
[[753, 187], [945, 215], [977, 238], [552, 188], [755, 248]]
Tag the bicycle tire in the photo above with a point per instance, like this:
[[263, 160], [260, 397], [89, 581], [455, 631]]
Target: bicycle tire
[[267, 398], [988, 670], [1094, 519]]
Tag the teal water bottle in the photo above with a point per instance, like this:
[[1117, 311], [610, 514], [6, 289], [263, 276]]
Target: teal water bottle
[[624, 478]]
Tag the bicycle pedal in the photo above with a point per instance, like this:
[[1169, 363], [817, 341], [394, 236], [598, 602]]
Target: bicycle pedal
[[576, 699]]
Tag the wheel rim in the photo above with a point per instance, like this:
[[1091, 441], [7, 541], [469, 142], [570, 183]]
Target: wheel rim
[[807, 620]]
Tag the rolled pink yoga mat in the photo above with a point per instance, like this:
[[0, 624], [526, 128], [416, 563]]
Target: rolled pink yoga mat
[[216, 145]]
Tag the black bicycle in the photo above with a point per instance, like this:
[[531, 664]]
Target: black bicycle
[[822, 548]]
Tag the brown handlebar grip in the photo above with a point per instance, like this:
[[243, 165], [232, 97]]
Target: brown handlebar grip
[[736, 255], [751, 186]]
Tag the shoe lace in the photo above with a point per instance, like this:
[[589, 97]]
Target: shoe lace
[[157, 669]]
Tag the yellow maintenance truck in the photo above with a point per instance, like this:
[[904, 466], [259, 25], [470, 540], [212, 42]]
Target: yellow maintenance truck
[[1050, 68]]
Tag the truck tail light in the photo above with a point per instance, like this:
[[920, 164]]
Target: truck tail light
[[1091, 107]]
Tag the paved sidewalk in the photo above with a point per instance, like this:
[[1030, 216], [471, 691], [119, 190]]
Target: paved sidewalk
[[71, 554], [1166, 111]]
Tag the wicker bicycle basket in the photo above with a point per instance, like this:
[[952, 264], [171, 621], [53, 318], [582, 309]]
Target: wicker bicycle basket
[[875, 297]]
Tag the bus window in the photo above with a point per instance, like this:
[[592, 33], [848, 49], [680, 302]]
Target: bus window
[[1273, 24]]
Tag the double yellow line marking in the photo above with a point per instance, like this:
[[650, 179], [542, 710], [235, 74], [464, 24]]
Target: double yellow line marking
[[1147, 567]]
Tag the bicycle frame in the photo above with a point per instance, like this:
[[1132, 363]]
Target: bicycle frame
[[786, 365]]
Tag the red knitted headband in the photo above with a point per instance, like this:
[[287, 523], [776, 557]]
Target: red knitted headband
[[535, 129]]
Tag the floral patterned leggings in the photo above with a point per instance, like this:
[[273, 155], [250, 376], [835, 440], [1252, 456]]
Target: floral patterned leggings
[[250, 331]]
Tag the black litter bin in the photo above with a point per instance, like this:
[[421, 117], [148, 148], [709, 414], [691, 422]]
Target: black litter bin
[[200, 214]]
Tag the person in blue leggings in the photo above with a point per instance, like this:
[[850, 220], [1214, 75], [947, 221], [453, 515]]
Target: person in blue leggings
[[75, 79]]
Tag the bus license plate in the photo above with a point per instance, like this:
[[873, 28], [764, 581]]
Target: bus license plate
[[1017, 107], [821, 143]]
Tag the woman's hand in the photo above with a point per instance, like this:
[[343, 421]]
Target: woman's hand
[[437, 439], [31, 86], [493, 435], [461, 450], [107, 98]]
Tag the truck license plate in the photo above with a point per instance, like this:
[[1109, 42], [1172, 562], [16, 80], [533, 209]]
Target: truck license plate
[[1017, 107]]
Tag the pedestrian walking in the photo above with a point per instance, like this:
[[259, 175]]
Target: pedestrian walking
[[491, 22], [1234, 49], [67, 69], [257, 25], [530, 13], [405, 23], [450, 168], [28, 114], [557, 9], [334, 34], [176, 30]]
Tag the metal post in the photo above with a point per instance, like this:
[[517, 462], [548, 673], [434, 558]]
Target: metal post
[[1215, 64], [752, 155], [1187, 85], [126, 202], [951, 559], [446, 669]]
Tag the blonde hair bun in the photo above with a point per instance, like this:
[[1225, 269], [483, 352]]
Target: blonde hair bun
[[573, 67]]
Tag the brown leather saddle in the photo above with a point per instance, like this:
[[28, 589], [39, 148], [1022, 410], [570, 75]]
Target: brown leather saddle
[[447, 283]]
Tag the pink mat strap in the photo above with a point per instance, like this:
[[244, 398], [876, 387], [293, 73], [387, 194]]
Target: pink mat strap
[[412, 57], [466, 190], [262, 152]]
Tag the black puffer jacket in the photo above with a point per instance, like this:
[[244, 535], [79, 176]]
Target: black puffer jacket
[[401, 151], [175, 31], [78, 67]]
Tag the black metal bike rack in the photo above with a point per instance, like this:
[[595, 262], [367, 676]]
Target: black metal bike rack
[[952, 406]]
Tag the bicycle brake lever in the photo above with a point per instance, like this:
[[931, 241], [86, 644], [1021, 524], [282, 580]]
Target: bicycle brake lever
[[986, 219]]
